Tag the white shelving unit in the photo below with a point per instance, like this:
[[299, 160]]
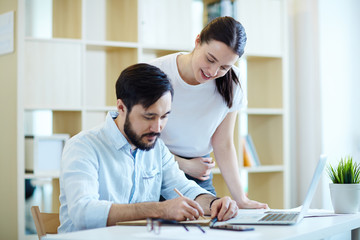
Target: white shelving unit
[[74, 51]]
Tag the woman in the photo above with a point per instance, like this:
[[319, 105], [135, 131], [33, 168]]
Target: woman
[[207, 97]]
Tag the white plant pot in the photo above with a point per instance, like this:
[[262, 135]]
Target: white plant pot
[[345, 198]]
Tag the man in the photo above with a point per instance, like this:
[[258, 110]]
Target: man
[[116, 172]]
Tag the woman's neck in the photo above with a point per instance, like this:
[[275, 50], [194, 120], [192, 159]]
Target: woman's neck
[[184, 65]]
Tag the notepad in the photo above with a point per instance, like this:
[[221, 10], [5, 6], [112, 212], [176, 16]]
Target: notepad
[[143, 222]]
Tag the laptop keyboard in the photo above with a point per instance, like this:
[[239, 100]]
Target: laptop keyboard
[[279, 217]]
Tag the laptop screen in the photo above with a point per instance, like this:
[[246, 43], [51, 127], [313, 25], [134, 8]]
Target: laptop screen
[[314, 182]]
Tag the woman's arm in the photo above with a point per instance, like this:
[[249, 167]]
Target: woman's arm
[[199, 167], [225, 155]]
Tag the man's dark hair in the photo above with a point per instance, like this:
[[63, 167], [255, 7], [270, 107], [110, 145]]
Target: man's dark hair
[[142, 84]]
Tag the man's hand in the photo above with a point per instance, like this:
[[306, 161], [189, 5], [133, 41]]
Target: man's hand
[[199, 168], [224, 209], [182, 208]]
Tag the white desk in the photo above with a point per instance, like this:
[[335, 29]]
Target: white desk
[[308, 228]]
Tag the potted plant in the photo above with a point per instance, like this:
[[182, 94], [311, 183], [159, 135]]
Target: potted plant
[[345, 186]]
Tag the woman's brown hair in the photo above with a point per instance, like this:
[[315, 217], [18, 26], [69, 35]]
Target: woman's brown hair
[[232, 33]]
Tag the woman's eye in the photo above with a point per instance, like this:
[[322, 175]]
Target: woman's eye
[[210, 60]]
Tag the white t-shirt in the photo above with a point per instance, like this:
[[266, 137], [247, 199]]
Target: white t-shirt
[[197, 110]]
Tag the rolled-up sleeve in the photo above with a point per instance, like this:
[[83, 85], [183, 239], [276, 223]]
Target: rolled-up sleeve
[[80, 186]]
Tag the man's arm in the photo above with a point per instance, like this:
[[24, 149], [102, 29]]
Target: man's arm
[[179, 209]]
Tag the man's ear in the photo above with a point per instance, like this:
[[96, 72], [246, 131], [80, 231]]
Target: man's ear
[[121, 108]]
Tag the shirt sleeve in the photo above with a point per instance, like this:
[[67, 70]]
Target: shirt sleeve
[[79, 179], [173, 177]]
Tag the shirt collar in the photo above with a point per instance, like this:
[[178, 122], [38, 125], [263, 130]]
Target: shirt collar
[[112, 131]]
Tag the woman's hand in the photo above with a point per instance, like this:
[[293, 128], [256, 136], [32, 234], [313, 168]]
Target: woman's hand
[[247, 203], [199, 168]]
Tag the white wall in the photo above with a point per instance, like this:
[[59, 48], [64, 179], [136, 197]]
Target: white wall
[[339, 37], [325, 69], [305, 93]]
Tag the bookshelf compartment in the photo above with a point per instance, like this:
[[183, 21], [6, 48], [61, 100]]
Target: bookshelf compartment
[[111, 20], [175, 22], [267, 134], [53, 19], [53, 74], [267, 188], [103, 67], [67, 122], [93, 118], [220, 186], [67, 19], [264, 82]]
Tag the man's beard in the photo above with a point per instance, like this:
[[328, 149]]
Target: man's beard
[[136, 139]]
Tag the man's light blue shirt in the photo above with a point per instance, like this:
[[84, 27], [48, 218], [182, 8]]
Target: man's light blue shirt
[[98, 169]]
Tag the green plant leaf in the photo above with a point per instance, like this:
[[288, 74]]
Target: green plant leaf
[[347, 171]]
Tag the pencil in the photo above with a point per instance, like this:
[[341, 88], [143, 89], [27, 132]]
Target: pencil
[[178, 192], [180, 195]]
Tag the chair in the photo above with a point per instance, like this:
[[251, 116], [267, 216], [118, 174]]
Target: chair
[[45, 222]]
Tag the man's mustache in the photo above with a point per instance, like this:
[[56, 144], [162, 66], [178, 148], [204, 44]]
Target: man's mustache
[[153, 134]]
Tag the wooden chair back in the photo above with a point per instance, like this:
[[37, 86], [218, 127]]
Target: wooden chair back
[[45, 222]]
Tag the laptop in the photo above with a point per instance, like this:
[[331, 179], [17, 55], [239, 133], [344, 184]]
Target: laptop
[[284, 217]]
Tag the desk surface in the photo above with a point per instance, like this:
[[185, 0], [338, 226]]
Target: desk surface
[[308, 228]]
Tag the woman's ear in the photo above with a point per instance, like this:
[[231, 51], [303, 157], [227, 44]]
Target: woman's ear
[[197, 40]]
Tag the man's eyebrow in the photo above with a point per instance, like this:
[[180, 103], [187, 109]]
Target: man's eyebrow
[[155, 114]]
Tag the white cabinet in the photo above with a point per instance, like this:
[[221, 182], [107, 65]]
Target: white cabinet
[[264, 25], [52, 74]]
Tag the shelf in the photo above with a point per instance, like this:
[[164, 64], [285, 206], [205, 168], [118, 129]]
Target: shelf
[[109, 45], [265, 169], [167, 47], [37, 176], [259, 169], [264, 111], [99, 109], [53, 40]]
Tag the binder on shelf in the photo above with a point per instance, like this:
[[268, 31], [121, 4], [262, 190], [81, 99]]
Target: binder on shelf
[[248, 162], [43, 153], [251, 158]]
